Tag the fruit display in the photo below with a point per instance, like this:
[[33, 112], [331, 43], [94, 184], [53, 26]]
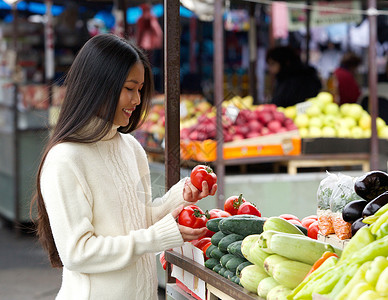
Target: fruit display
[[321, 117]]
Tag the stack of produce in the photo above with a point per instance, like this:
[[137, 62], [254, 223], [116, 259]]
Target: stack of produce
[[361, 272], [281, 258], [321, 117]]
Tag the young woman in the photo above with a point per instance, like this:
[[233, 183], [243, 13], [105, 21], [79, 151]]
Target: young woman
[[96, 217]]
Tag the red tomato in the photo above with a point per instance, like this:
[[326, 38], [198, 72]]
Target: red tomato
[[292, 221], [315, 217], [248, 208], [233, 203], [212, 214], [192, 216], [289, 217], [200, 242], [312, 231], [162, 260], [202, 173], [306, 222], [205, 248]]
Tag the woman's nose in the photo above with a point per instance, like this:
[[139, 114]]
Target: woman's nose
[[136, 99]]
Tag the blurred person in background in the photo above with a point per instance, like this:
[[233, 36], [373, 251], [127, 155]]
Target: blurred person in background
[[348, 89], [294, 81]]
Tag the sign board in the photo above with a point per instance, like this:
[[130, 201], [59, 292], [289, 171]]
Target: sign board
[[338, 12]]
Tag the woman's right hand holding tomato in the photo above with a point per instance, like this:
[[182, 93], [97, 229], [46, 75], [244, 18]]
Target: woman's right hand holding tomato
[[190, 227]]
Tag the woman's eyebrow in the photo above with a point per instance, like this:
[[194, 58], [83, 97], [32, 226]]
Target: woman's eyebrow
[[134, 81]]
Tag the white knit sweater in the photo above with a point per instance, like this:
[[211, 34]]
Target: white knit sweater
[[105, 225]]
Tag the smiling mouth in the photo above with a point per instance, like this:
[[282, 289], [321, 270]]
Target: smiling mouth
[[128, 111]]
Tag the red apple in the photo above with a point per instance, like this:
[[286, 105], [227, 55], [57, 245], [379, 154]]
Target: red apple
[[265, 117], [278, 115], [254, 125], [252, 134], [265, 131], [274, 125]]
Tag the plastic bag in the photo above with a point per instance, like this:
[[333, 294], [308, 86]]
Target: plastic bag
[[324, 193], [342, 194]]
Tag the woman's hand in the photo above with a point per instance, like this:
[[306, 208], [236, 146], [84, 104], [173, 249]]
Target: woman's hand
[[192, 194], [188, 233]]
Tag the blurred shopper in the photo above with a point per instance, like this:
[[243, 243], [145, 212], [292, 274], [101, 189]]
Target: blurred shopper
[[348, 88], [294, 81], [96, 217]]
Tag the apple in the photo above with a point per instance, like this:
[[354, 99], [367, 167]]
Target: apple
[[185, 132], [328, 131], [380, 123], [383, 132], [254, 125], [331, 109], [316, 122], [269, 107], [279, 116], [290, 127], [367, 133], [365, 121], [301, 120], [274, 126], [313, 111], [344, 109], [290, 112], [264, 116], [356, 132], [325, 97], [329, 120], [355, 111], [314, 132], [303, 132], [351, 122], [238, 137], [265, 131], [242, 130], [343, 132], [252, 135]]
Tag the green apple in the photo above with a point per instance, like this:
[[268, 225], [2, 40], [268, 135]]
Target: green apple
[[344, 109], [356, 132], [290, 112], [343, 132], [383, 132], [315, 122], [325, 97], [313, 111], [314, 132], [351, 122], [301, 120], [329, 120], [328, 131], [355, 111], [303, 132], [367, 133], [380, 123], [365, 121], [331, 109]]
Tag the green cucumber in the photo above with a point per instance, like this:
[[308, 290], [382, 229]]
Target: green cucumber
[[211, 263], [227, 240], [217, 253], [302, 228], [209, 250], [233, 263], [241, 266], [235, 279], [222, 271], [212, 224], [224, 259], [244, 225], [217, 268], [235, 249], [228, 274], [216, 238]]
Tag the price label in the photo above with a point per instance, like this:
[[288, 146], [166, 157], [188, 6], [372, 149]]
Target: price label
[[232, 112]]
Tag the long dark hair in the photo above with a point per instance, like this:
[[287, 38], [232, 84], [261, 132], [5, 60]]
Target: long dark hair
[[93, 86]]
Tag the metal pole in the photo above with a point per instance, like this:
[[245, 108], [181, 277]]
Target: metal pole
[[172, 90], [308, 33], [252, 52], [373, 104], [218, 69]]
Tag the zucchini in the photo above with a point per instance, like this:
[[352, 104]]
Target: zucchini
[[227, 240], [211, 263], [216, 238], [209, 250], [302, 228], [217, 253], [242, 225], [281, 225], [247, 243], [224, 259], [228, 274], [233, 263], [241, 266], [212, 224], [235, 249], [235, 279], [217, 268], [222, 271]]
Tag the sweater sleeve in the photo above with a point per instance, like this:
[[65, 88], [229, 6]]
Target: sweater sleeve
[[69, 206]]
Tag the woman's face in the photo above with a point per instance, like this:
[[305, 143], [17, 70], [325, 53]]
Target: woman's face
[[273, 66], [130, 95]]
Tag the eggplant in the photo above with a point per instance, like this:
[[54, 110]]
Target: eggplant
[[371, 185], [375, 205], [353, 210], [357, 225]]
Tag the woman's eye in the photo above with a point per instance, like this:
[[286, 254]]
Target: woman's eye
[[128, 89]]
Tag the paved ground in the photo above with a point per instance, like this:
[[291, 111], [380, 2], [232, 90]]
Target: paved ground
[[25, 273]]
